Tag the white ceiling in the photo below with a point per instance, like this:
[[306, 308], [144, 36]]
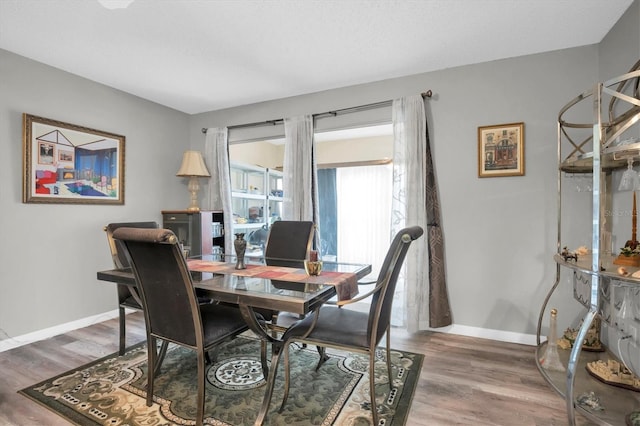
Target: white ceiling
[[199, 55]]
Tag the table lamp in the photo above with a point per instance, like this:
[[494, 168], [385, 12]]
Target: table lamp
[[193, 167]]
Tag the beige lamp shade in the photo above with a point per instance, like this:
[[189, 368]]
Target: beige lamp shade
[[193, 165]]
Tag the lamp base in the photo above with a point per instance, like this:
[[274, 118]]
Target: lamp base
[[194, 187]]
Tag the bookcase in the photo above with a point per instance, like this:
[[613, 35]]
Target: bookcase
[[199, 232]]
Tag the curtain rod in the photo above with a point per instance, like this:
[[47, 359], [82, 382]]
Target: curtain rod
[[426, 94]]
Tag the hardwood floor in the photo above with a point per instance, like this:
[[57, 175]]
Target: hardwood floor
[[464, 381]]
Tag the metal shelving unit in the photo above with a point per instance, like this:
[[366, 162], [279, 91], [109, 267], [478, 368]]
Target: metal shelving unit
[[257, 195], [599, 146]]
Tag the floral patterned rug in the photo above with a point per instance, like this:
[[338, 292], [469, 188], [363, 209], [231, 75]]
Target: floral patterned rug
[[111, 390]]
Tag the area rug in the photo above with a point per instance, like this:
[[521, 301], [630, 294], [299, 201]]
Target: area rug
[[111, 390]]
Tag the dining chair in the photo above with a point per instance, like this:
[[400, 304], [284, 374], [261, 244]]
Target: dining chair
[[171, 308], [126, 299], [334, 326], [287, 244]]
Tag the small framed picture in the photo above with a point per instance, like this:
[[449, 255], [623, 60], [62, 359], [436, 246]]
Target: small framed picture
[[501, 150]]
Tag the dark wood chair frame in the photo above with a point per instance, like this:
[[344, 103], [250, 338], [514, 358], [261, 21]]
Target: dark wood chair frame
[[127, 299], [317, 329], [288, 244], [160, 268]]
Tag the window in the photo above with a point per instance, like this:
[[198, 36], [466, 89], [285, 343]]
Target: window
[[354, 189]]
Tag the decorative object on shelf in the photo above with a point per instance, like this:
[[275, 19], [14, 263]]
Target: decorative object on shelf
[[623, 271], [240, 244], [567, 255], [59, 165], [193, 167], [630, 253], [551, 360], [589, 399], [614, 373], [591, 342], [625, 317], [581, 251], [630, 180], [582, 182], [501, 150]]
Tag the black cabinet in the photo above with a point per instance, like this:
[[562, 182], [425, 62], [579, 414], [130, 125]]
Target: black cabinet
[[199, 232]]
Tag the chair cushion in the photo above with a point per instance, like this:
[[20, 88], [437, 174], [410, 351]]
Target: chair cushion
[[219, 321], [352, 326]]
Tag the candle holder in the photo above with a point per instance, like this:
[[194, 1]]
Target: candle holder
[[313, 267]]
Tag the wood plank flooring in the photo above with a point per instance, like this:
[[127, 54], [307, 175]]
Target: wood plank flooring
[[464, 381]]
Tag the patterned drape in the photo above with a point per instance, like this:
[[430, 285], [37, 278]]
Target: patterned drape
[[421, 299], [439, 306]]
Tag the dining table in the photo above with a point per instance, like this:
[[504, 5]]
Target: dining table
[[263, 286]]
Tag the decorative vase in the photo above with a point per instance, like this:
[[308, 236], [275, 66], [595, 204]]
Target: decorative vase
[[240, 245], [551, 359]]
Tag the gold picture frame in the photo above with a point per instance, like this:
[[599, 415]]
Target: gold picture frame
[[501, 150], [70, 164]]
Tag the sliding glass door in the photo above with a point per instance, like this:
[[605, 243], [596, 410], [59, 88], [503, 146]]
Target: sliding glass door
[[355, 208]]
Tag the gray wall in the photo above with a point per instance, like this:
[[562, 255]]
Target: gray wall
[[621, 47], [500, 232], [50, 253]]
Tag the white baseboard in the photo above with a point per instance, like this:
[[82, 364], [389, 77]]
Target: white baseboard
[[463, 330], [25, 339], [486, 333]]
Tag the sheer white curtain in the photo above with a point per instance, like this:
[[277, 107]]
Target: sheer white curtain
[[364, 213], [219, 189], [300, 174], [411, 302]]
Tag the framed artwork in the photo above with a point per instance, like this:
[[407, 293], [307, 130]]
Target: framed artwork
[[67, 163], [501, 150]]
